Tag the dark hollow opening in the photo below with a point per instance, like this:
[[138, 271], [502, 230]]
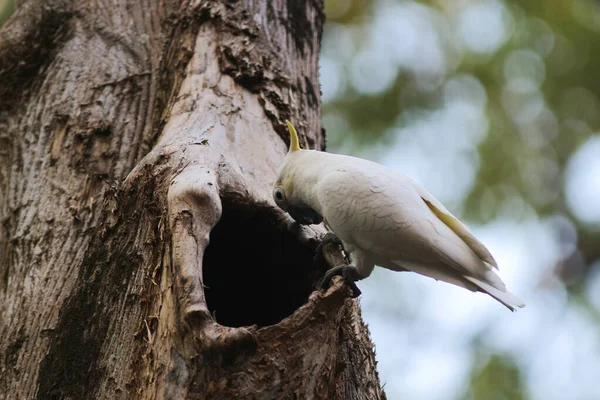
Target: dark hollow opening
[[255, 273]]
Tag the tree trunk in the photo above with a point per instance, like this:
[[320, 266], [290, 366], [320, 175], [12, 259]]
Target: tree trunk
[[131, 135]]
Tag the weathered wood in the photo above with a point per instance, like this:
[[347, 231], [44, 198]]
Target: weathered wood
[[135, 135]]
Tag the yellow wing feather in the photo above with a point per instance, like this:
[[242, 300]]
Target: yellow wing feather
[[461, 230]]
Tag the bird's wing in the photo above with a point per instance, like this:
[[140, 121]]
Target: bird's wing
[[389, 215], [454, 223], [384, 213]]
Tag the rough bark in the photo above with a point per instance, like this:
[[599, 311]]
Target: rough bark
[[132, 134]]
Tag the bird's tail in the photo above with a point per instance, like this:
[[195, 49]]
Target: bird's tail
[[505, 297], [441, 272]]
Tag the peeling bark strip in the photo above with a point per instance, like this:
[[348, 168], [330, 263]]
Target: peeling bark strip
[[141, 254]]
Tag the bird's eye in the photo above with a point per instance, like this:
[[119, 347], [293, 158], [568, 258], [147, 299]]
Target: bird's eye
[[278, 194]]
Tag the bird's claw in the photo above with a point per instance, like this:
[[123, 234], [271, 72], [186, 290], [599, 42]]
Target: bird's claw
[[329, 238], [348, 273]]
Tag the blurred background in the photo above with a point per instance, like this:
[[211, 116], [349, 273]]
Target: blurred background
[[7, 7], [493, 106]]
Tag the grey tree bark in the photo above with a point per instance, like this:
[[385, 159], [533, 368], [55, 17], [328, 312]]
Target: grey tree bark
[[132, 135]]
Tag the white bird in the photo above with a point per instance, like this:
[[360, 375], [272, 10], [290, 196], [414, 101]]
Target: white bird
[[384, 218]]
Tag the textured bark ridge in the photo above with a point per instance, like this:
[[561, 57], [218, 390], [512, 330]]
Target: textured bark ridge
[[141, 254]]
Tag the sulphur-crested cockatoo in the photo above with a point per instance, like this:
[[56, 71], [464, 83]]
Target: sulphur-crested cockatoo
[[384, 218]]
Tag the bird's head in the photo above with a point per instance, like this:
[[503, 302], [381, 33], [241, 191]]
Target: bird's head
[[284, 190]]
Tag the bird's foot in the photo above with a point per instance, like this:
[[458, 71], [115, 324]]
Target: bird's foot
[[349, 274], [330, 238]]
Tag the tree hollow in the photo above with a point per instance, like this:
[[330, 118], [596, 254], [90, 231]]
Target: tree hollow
[[254, 272]]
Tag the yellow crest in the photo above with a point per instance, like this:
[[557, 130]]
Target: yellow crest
[[294, 144]]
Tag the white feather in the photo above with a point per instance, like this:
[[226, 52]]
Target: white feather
[[393, 220]]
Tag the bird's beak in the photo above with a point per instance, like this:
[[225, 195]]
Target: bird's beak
[[304, 215]]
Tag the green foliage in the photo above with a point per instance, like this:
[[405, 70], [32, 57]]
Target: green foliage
[[7, 7], [517, 85], [542, 91], [498, 379]]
